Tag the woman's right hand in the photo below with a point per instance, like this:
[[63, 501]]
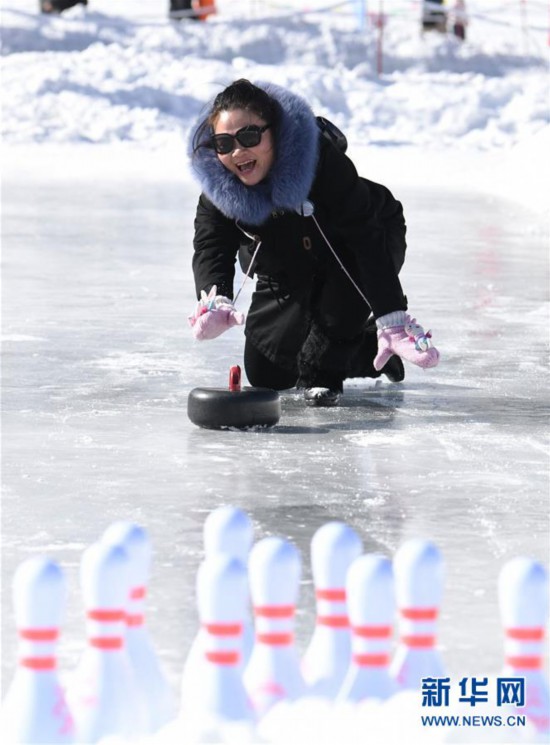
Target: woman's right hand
[[213, 315]]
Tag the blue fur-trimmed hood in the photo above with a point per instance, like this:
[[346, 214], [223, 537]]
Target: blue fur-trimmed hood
[[290, 178]]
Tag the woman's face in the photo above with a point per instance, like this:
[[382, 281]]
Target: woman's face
[[251, 165]]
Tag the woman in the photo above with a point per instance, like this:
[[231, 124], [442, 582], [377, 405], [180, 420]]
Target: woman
[[326, 247]]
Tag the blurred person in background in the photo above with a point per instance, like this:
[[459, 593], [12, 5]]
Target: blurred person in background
[[58, 6], [179, 10], [434, 16]]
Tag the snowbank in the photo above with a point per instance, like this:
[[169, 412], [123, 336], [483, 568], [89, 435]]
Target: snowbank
[[468, 115]]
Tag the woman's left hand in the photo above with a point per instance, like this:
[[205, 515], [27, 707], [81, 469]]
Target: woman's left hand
[[407, 340]]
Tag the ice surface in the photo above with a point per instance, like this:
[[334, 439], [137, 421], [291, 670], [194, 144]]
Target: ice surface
[[98, 363]]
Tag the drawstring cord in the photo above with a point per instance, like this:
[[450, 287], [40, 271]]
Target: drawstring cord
[[248, 271], [306, 210], [339, 260]]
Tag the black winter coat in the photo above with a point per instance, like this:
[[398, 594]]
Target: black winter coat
[[305, 314]]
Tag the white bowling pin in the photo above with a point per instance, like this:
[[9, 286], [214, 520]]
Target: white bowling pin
[[418, 575], [523, 600], [222, 597], [327, 658], [103, 695], [273, 671], [34, 709], [157, 697], [227, 530], [371, 609]]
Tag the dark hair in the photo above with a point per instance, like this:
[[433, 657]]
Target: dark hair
[[241, 94]]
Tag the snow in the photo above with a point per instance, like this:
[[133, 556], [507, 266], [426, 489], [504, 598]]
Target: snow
[[120, 73], [97, 108]]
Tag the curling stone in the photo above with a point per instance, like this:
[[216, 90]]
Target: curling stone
[[217, 408]]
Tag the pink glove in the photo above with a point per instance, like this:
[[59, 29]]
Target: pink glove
[[400, 334], [213, 315]]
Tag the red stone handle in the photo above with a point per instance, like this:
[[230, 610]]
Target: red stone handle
[[235, 378]]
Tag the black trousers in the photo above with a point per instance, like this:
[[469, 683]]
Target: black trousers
[[335, 347], [263, 373]]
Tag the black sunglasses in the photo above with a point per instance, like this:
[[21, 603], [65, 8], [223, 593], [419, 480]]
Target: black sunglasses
[[249, 136]]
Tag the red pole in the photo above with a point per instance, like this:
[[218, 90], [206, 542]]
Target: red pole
[[380, 43]]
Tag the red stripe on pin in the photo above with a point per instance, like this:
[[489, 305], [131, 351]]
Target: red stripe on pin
[[371, 660], [333, 622], [524, 663], [419, 614], [274, 611], [223, 629], [336, 595], [106, 642], [39, 635], [372, 632], [136, 619], [137, 593], [106, 616], [223, 658], [38, 663], [418, 642], [275, 639], [525, 634]]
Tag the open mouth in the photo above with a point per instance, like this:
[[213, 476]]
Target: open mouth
[[247, 166]]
